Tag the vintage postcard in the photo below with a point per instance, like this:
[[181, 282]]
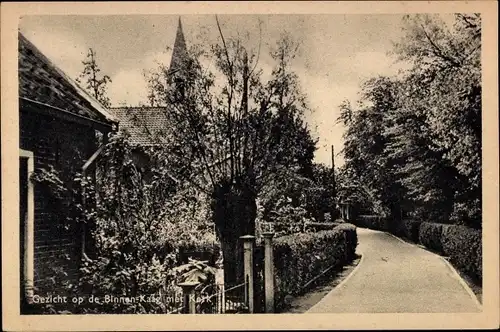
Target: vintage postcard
[[250, 165]]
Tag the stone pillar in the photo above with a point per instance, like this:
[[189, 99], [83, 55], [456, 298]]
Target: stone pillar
[[189, 298], [248, 269], [269, 271]]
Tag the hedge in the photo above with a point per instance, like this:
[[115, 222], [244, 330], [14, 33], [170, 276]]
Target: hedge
[[204, 249], [411, 229], [407, 228], [430, 235], [373, 222], [321, 226], [203, 253], [298, 258], [463, 245]]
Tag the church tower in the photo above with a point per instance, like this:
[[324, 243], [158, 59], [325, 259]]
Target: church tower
[[180, 63]]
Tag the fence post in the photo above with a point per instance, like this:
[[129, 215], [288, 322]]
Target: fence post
[[189, 300], [248, 268], [269, 271]]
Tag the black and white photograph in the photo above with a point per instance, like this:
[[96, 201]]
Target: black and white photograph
[[177, 163]]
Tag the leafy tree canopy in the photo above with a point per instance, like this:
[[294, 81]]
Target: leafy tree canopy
[[415, 140]]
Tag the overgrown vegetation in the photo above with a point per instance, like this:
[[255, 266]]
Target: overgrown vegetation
[[140, 223]]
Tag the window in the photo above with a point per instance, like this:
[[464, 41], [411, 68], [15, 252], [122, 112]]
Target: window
[[26, 224]]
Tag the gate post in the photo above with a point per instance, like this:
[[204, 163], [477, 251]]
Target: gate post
[[219, 282], [269, 271], [189, 300], [248, 269]]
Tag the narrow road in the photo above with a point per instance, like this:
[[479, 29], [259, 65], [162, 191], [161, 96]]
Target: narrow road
[[397, 277]]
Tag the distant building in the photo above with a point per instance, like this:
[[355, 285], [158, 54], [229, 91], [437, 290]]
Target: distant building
[[58, 124], [146, 125]]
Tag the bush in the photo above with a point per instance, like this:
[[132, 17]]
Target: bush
[[430, 235], [411, 229], [207, 251], [321, 226], [463, 245], [375, 222], [298, 258], [142, 225]]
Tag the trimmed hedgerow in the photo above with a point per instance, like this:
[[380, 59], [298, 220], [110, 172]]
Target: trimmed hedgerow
[[203, 251], [411, 229], [463, 245], [376, 222], [321, 226], [407, 228], [298, 258], [430, 235]]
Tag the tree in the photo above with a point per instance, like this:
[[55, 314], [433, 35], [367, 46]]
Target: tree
[[321, 196], [365, 144], [232, 137], [96, 86], [417, 138], [447, 74]]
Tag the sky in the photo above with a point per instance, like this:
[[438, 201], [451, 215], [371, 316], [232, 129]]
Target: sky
[[337, 53]]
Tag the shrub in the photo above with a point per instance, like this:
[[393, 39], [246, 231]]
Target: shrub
[[373, 222], [143, 224], [205, 251], [298, 258], [398, 228], [321, 226], [430, 235], [411, 229], [463, 245]]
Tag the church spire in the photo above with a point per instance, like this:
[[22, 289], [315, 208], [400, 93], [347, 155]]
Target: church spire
[[179, 59]]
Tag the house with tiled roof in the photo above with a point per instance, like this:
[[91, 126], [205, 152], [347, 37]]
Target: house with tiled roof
[[145, 126], [59, 127], [148, 126]]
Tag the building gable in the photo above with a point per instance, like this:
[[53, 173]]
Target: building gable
[[43, 83]]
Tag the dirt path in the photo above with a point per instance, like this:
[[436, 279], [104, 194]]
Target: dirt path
[[398, 277]]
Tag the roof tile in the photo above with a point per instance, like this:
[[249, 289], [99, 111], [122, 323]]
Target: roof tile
[[146, 125]]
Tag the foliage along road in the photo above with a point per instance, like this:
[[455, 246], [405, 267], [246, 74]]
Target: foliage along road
[[397, 277]]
